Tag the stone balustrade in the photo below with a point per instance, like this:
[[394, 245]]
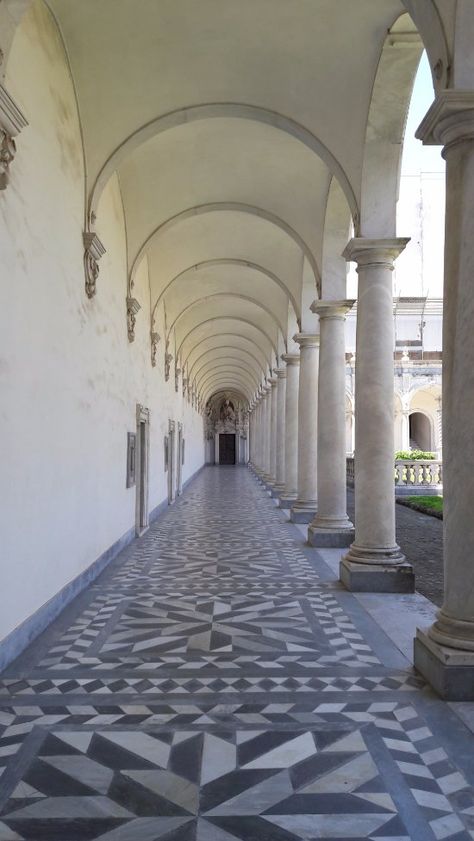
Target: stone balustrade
[[418, 476], [412, 476]]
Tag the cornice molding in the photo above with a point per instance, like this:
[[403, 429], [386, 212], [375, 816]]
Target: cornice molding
[[450, 119], [306, 339], [332, 309], [366, 252]]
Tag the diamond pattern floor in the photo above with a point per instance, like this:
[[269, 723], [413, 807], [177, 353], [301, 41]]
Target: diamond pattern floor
[[215, 684]]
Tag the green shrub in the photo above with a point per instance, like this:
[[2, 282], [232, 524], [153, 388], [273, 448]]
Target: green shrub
[[414, 455]]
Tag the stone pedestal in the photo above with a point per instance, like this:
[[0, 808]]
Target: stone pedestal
[[290, 492], [450, 671], [331, 526], [304, 509], [444, 653], [374, 562]]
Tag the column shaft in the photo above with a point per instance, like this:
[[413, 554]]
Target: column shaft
[[280, 434], [331, 525], [290, 493], [374, 561], [304, 509], [267, 435], [273, 429], [445, 653]]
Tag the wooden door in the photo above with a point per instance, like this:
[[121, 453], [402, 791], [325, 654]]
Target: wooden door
[[226, 448]]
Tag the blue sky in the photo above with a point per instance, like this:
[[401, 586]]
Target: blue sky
[[416, 157]]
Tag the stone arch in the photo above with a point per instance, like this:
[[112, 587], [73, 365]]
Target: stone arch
[[337, 227], [231, 348], [430, 25], [421, 430], [206, 111], [199, 301], [226, 383], [391, 95], [222, 207], [228, 318], [223, 262], [226, 362], [228, 371], [218, 336]]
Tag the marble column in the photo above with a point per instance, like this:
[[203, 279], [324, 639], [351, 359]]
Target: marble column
[[280, 434], [304, 509], [267, 415], [290, 492], [258, 437], [273, 430], [251, 441], [374, 562], [444, 653], [331, 525]]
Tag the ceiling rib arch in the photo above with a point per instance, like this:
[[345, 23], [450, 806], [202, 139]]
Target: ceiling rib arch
[[206, 111], [213, 207], [237, 295], [228, 363], [230, 261], [228, 372], [234, 349], [218, 336], [227, 383], [228, 318]]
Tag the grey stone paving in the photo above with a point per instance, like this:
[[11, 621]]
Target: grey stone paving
[[216, 684], [421, 539]]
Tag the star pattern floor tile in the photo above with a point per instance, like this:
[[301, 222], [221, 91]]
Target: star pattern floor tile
[[217, 684]]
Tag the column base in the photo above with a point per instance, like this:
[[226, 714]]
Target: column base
[[376, 578], [277, 491], [450, 671], [302, 513], [335, 538], [287, 501]]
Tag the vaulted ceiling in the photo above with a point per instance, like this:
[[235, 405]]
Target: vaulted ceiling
[[238, 131]]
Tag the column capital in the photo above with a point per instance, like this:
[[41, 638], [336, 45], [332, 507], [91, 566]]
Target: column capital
[[332, 309], [272, 381], [281, 373], [291, 358], [307, 339], [449, 120], [366, 252]]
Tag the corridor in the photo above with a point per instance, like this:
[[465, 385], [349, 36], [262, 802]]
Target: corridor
[[217, 683]]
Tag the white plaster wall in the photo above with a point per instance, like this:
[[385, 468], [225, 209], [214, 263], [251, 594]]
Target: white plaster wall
[[69, 379]]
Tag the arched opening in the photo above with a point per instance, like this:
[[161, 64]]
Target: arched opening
[[420, 432]]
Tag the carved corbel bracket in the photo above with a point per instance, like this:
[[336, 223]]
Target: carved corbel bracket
[[12, 121], [168, 361], [177, 372], [93, 251], [155, 338], [132, 308]]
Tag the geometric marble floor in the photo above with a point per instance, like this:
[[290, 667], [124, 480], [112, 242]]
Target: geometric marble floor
[[216, 683]]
